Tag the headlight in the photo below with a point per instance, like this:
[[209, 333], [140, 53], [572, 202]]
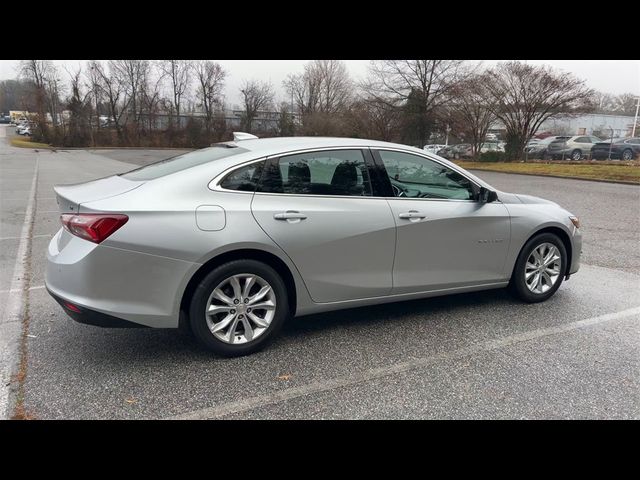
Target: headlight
[[575, 221]]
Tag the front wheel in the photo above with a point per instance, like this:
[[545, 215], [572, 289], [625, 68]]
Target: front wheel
[[238, 308], [540, 268], [627, 155], [576, 155]]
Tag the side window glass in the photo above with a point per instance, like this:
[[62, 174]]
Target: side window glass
[[331, 172], [418, 177], [244, 179]]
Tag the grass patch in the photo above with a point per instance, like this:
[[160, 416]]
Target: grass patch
[[621, 171], [22, 142]]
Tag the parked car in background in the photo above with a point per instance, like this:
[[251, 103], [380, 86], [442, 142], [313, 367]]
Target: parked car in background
[[446, 152], [455, 152], [491, 147], [5, 119], [539, 149], [463, 150], [255, 231], [572, 148], [620, 148], [21, 127], [433, 148]]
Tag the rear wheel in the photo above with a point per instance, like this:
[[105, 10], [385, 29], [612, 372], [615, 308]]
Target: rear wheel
[[627, 155], [540, 268], [238, 308]]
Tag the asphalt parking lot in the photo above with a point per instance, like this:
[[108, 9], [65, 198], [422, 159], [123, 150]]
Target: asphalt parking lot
[[481, 355]]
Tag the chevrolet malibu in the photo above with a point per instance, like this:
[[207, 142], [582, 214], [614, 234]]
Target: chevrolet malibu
[[232, 240]]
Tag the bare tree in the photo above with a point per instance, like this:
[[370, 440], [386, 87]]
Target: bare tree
[[322, 94], [626, 103], [256, 96], [112, 91], [151, 100], [623, 104], [524, 96], [132, 76], [285, 126], [79, 107], [472, 111], [179, 74], [16, 95], [210, 78], [374, 119], [42, 75], [324, 87], [420, 85]]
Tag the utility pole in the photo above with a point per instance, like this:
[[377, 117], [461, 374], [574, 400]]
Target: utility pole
[[610, 143], [446, 139], [635, 120]]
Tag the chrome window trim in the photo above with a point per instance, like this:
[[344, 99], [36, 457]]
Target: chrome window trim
[[214, 184]]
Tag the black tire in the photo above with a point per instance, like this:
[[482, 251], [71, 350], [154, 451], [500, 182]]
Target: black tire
[[518, 285], [576, 153], [198, 304], [628, 153]]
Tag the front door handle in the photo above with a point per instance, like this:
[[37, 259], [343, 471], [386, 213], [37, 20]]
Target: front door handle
[[412, 215], [291, 216]]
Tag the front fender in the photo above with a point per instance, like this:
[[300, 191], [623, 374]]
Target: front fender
[[529, 219]]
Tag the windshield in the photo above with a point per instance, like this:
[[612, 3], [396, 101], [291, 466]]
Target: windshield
[[182, 162]]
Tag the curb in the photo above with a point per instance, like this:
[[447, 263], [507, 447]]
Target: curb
[[620, 182]]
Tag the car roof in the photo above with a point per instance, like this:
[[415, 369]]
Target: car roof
[[276, 145], [254, 149]]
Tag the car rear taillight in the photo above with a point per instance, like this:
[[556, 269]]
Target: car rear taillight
[[94, 227]]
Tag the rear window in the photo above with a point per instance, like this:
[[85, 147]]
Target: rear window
[[182, 162]]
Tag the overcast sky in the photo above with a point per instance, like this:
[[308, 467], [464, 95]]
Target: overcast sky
[[612, 76]]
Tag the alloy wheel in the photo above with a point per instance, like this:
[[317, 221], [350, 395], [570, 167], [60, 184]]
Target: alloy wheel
[[542, 269], [241, 308], [627, 155]]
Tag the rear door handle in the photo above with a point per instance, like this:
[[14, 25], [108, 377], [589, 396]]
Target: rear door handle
[[290, 215], [412, 215]]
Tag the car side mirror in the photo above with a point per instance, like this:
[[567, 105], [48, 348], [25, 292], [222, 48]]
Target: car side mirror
[[487, 196]]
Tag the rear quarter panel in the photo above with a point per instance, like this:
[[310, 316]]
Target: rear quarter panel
[[162, 222]]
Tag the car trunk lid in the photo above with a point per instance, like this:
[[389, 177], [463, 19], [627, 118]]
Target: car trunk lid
[[70, 197]]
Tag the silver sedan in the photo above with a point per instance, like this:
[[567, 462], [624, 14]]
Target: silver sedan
[[232, 240]]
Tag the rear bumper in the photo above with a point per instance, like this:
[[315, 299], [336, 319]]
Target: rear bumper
[[119, 284], [91, 317]]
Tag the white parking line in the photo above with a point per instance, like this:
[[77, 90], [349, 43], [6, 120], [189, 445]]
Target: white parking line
[[39, 287], [11, 320], [20, 238], [349, 380]]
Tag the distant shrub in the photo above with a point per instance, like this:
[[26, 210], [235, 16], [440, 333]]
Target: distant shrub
[[493, 157]]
